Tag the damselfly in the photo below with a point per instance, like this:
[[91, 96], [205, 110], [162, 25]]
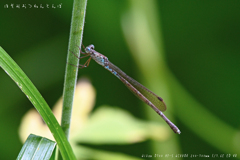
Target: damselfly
[[147, 96]]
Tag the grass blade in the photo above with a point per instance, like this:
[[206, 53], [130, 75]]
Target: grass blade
[[24, 83], [37, 147]]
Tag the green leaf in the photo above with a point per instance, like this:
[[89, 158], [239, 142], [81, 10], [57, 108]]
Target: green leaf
[[36, 147], [116, 126], [24, 83], [83, 152]]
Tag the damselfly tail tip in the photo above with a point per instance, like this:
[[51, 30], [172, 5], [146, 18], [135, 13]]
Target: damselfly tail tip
[[176, 130]]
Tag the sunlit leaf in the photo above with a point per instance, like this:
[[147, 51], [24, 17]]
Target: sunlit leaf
[[37, 147]]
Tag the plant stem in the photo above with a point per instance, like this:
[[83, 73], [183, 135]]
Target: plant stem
[[75, 39]]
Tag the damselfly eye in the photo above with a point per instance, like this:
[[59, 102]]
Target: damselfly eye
[[92, 46], [87, 49]]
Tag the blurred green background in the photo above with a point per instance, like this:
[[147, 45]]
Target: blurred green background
[[200, 44]]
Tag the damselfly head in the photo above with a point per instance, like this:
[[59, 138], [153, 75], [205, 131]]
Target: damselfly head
[[89, 48]]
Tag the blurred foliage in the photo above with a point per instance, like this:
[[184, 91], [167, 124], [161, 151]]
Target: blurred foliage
[[105, 126], [200, 42]]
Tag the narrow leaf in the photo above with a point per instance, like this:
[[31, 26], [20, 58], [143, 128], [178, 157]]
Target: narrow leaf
[[36, 147], [24, 83]]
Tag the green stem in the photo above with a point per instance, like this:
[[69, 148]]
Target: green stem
[[75, 39], [78, 16]]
